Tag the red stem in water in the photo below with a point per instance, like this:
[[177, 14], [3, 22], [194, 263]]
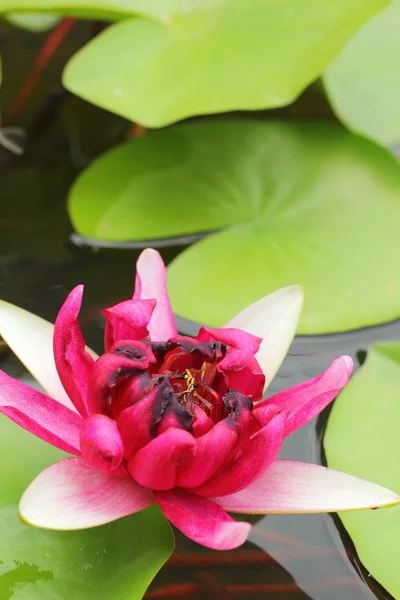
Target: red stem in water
[[49, 48]]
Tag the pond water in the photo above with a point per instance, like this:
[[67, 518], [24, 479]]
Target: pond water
[[287, 556]]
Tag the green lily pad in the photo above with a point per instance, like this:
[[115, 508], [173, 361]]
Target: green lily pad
[[307, 204], [95, 9], [33, 21], [362, 438], [363, 83], [217, 56], [113, 562]]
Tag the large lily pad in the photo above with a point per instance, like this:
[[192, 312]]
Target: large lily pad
[[93, 9], [362, 438], [114, 562], [363, 82], [307, 204], [33, 21], [213, 56]]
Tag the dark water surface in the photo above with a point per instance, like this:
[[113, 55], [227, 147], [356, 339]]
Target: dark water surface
[[287, 557]]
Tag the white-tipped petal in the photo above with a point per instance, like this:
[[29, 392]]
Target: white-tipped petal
[[31, 338], [72, 495], [296, 487], [273, 318]]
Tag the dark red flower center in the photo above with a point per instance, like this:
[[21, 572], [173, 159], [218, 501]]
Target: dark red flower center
[[192, 384], [191, 368]]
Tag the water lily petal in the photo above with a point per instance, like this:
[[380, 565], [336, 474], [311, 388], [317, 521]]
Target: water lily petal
[[130, 390], [175, 458], [296, 487], [151, 282], [127, 321], [201, 423], [101, 443], [202, 520], [209, 452], [135, 424], [44, 417], [155, 465], [306, 400], [241, 370], [237, 338], [261, 451], [243, 373], [273, 318], [73, 495], [126, 358], [73, 361], [31, 339], [150, 416]]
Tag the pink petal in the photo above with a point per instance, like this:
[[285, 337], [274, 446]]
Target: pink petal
[[73, 362], [232, 337], [101, 444], [241, 370], [44, 417], [202, 521], [155, 465], [296, 487], [208, 454], [261, 451], [31, 339], [306, 400], [242, 373], [201, 423], [274, 318], [127, 321], [135, 424], [129, 391], [151, 282], [176, 459], [72, 495], [149, 417], [123, 361]]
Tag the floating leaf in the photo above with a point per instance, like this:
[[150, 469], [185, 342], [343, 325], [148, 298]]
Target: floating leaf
[[117, 561], [362, 438], [363, 82], [33, 21], [96, 9], [307, 204], [222, 55]]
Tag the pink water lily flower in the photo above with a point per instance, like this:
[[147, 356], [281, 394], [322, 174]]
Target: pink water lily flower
[[170, 419]]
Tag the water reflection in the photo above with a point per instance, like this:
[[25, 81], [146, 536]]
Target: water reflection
[[248, 572]]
